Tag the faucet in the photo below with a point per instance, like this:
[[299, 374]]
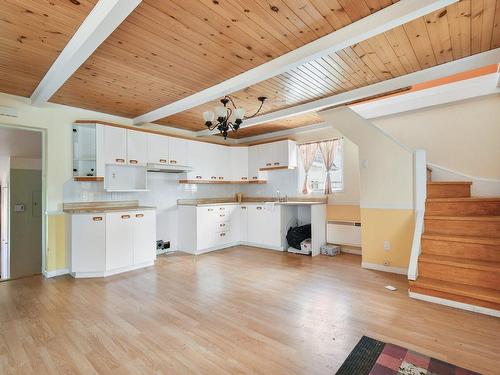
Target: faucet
[[278, 196]]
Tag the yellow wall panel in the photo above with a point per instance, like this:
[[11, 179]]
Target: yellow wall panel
[[343, 212], [56, 243], [379, 225]]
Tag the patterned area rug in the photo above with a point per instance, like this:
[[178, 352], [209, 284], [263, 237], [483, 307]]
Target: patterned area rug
[[373, 357]]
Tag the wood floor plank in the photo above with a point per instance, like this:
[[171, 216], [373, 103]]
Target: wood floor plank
[[240, 310]]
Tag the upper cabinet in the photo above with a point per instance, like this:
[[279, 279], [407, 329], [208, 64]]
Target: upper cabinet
[[137, 147], [115, 145], [238, 159], [177, 151], [278, 155], [158, 148], [87, 160]]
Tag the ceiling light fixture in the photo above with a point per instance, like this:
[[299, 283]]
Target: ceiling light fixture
[[228, 118]]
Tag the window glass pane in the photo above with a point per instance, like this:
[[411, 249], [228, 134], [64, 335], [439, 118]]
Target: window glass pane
[[317, 173]]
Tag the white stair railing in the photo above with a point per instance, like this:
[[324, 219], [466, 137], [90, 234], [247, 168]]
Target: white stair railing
[[420, 194]]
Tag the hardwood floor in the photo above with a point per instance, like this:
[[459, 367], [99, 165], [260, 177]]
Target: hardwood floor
[[241, 310]]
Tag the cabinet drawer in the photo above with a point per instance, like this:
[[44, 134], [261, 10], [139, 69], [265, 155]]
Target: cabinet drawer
[[222, 226]]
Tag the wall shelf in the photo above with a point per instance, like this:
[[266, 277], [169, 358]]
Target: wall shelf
[[221, 182], [88, 178]]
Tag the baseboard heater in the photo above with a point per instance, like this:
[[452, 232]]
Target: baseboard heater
[[346, 233]]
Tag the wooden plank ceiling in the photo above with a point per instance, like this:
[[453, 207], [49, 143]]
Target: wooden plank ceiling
[[167, 50], [459, 30], [32, 34]]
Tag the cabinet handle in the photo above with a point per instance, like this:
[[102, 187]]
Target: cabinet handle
[[222, 234], [221, 178], [120, 160], [133, 161], [277, 163], [255, 178], [163, 161], [97, 218], [268, 164], [222, 208], [198, 177], [243, 207], [222, 225], [173, 161], [222, 215], [259, 208], [210, 209], [125, 216], [244, 178], [213, 178], [139, 215]]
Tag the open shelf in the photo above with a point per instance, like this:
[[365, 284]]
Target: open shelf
[[88, 178]]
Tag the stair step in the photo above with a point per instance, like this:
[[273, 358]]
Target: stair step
[[480, 226], [489, 206], [467, 247], [461, 271], [448, 189], [473, 295]]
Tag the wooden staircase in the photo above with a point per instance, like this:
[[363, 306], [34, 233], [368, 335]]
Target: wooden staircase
[[460, 247]]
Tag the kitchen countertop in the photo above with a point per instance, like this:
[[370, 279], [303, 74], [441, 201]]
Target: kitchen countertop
[[250, 200], [103, 207]]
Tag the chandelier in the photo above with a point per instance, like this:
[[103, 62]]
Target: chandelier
[[228, 118]]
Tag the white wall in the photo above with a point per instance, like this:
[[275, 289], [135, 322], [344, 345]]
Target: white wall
[[463, 137]]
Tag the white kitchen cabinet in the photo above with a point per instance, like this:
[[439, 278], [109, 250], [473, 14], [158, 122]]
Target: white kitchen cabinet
[[137, 147], [144, 238], [119, 240], [196, 160], [238, 158], [157, 148], [177, 151], [222, 163], [278, 155], [104, 244], [255, 163], [115, 145], [88, 243], [264, 225]]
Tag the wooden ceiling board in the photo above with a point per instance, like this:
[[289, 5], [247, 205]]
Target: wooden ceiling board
[[32, 34], [167, 50], [439, 37]]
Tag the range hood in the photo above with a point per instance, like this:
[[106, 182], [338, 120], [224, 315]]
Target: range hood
[[166, 168]]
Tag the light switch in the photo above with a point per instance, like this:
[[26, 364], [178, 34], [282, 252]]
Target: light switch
[[19, 208], [387, 245]]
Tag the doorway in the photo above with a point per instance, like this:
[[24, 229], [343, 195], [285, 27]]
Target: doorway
[[21, 202]]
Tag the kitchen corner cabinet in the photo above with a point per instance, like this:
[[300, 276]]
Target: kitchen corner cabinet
[[105, 244]]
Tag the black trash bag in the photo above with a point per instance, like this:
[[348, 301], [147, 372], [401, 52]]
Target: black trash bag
[[298, 234]]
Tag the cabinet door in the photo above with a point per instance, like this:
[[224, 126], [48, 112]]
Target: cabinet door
[[115, 145], [88, 243], [210, 161], [266, 154], [244, 223], [222, 163], [196, 156], [255, 224], [284, 154], [119, 240], [157, 149], [177, 151], [253, 162], [144, 230], [239, 163], [205, 227], [271, 231], [137, 147]]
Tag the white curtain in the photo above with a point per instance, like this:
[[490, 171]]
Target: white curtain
[[308, 152], [328, 149]]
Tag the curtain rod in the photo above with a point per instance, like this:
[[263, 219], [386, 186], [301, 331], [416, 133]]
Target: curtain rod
[[322, 140]]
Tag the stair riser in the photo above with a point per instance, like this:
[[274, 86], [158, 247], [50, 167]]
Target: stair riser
[[448, 191], [481, 278], [479, 228], [489, 208], [461, 250], [455, 297]]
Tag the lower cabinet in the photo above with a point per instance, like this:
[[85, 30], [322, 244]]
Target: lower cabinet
[[113, 242], [217, 227]]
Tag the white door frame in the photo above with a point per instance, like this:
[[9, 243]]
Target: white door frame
[[44, 189]]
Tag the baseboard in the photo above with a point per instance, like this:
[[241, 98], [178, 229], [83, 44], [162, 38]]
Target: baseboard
[[85, 275], [350, 251], [54, 273], [380, 267], [455, 304]]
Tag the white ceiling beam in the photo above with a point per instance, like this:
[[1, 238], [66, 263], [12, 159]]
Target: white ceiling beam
[[104, 18], [388, 18], [444, 70]]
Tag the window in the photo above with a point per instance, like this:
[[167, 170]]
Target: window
[[317, 173]]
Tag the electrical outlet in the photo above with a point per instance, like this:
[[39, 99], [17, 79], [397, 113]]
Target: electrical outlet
[[387, 245], [387, 263]]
